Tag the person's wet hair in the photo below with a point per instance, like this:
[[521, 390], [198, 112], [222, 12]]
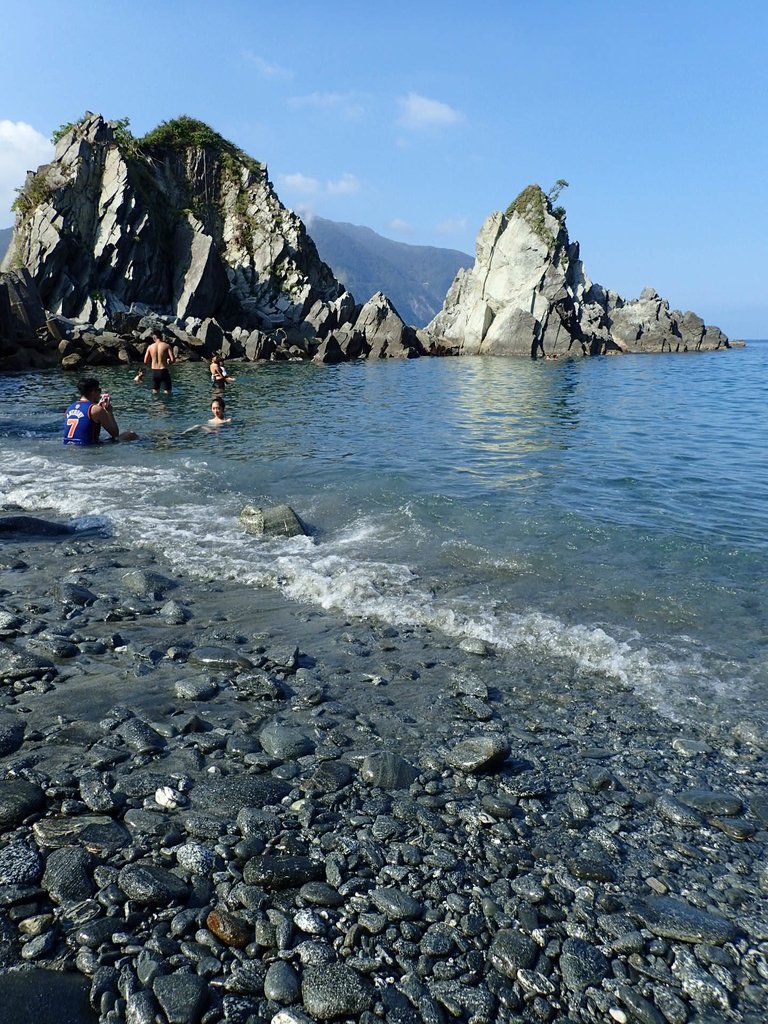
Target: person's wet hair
[[87, 384]]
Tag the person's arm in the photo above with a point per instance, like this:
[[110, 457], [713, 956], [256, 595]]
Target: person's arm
[[105, 418], [148, 355], [171, 356]]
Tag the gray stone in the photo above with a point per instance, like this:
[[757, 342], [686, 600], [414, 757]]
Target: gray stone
[[20, 864], [228, 796], [284, 742], [279, 520], [67, 877], [99, 834], [335, 990], [11, 733], [196, 689], [182, 997], [512, 951], [479, 753], [281, 983], [18, 799], [387, 770], [582, 965], [396, 904], [219, 658], [284, 872], [674, 919], [152, 885]]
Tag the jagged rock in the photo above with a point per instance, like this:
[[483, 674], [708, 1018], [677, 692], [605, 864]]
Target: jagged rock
[[528, 294], [24, 340], [385, 333], [278, 520], [179, 227]]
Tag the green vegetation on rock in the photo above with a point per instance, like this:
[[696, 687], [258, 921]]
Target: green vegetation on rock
[[533, 204], [184, 131], [36, 190]]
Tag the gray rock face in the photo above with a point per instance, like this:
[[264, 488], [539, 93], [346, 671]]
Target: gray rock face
[[186, 230], [528, 294]]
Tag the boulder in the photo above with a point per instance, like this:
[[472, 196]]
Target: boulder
[[280, 520]]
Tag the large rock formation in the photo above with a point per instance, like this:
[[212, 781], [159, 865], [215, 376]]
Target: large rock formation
[[528, 294], [180, 226]]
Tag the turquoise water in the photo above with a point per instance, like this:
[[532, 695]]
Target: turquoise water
[[608, 514]]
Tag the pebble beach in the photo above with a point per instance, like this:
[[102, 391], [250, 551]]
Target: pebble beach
[[217, 805]]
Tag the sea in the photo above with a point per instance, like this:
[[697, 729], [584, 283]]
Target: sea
[[608, 514]]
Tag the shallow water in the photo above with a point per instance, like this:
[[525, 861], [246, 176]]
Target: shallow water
[[606, 513]]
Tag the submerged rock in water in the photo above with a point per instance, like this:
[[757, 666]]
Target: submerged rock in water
[[280, 520]]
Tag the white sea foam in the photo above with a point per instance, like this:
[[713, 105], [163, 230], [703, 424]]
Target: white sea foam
[[179, 510]]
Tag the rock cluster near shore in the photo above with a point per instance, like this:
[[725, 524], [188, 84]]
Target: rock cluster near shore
[[216, 807], [186, 229], [528, 294]]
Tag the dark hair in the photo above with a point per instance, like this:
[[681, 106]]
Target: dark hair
[[157, 333], [87, 384], [218, 398]]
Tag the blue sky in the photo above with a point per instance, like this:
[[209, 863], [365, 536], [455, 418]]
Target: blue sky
[[419, 119]]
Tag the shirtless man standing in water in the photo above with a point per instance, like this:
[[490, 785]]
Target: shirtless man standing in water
[[159, 355]]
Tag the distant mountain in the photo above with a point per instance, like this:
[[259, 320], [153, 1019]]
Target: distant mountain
[[415, 277], [5, 241]]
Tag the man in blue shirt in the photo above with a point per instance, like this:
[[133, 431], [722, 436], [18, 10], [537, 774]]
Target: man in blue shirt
[[85, 417]]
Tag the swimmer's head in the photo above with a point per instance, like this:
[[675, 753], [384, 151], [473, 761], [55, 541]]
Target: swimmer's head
[[217, 406], [88, 385]]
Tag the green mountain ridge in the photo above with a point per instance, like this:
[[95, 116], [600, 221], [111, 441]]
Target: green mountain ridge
[[415, 278]]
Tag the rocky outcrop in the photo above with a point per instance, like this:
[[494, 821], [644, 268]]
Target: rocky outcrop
[[528, 294], [22, 324], [180, 228]]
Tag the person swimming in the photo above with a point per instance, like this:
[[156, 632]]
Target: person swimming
[[218, 409], [218, 417]]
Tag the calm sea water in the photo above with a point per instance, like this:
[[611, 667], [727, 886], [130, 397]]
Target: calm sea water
[[607, 513]]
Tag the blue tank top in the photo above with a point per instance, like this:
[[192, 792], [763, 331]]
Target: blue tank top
[[79, 428]]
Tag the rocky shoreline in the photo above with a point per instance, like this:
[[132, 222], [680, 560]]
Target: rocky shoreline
[[218, 806]]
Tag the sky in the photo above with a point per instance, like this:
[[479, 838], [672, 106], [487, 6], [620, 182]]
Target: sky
[[419, 119]]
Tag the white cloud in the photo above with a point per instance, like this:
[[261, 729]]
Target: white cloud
[[400, 227], [267, 69], [22, 149], [346, 184], [417, 112], [452, 226], [348, 105], [301, 184]]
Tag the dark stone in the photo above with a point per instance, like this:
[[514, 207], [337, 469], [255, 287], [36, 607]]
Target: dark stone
[[67, 877], [673, 919], [582, 965], [335, 990], [182, 997], [18, 799], [152, 885], [512, 951]]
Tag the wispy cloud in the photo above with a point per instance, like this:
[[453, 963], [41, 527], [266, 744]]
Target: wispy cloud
[[300, 184], [266, 68], [349, 105], [452, 226], [346, 185], [419, 112], [400, 227], [22, 149], [305, 186]]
